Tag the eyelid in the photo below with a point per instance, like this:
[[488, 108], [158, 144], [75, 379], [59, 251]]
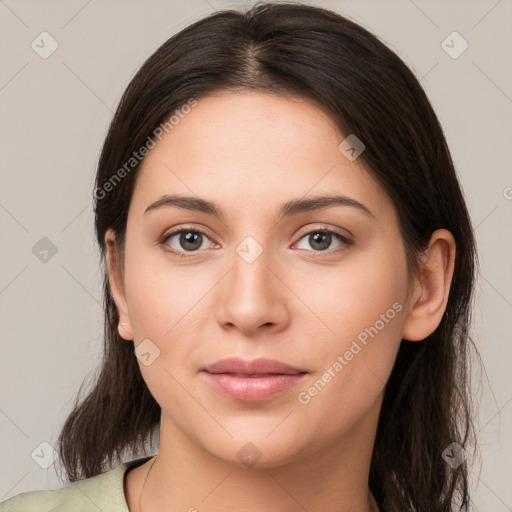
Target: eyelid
[[174, 231], [344, 233]]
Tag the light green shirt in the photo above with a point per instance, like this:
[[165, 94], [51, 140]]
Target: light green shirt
[[104, 492]]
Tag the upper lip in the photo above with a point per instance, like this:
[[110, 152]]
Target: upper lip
[[261, 366]]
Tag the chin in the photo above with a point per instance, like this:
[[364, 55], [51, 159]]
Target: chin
[[254, 448]]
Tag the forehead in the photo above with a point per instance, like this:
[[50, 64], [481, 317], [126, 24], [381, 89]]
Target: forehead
[[253, 148]]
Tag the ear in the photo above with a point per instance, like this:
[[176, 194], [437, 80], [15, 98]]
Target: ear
[[116, 281], [429, 296]]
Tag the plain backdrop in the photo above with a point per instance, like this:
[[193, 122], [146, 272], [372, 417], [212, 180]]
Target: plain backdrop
[[54, 113]]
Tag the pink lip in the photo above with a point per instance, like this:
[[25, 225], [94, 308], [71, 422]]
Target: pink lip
[[252, 381]]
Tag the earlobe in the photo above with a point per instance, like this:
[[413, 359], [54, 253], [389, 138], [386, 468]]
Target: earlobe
[[428, 300], [115, 277]]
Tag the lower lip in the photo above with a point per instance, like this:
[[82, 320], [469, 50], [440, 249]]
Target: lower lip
[[252, 389]]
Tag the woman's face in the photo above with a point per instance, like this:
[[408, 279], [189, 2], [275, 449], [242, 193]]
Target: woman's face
[[264, 273]]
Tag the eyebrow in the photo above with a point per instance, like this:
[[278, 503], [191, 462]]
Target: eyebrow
[[287, 209]]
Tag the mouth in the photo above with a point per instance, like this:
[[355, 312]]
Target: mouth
[[252, 381]]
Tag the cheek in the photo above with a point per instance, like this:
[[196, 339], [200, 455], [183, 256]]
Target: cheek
[[165, 308], [161, 295], [352, 297], [361, 308], [169, 305]]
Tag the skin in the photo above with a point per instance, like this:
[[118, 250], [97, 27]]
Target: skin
[[250, 152]]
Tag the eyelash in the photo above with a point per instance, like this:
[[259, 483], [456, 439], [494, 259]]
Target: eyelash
[[347, 242]]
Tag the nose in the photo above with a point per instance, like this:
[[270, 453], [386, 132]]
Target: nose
[[252, 297]]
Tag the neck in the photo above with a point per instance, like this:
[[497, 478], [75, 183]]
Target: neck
[[184, 477]]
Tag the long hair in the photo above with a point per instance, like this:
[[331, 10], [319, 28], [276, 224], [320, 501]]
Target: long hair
[[292, 49]]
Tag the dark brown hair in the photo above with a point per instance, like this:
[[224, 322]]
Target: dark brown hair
[[298, 50]]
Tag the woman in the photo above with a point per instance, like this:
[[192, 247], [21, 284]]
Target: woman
[[289, 268]]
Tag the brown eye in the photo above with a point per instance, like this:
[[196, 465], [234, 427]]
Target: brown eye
[[321, 240], [185, 240]]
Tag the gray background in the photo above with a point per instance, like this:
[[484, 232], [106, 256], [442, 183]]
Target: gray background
[[54, 116]]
